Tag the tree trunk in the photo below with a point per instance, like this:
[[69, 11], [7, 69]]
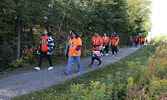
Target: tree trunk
[[18, 38]]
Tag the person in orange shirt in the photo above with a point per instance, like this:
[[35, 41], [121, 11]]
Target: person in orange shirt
[[114, 44], [117, 38], [74, 52], [136, 40], [106, 41], [143, 40], [96, 42], [131, 40], [45, 48]]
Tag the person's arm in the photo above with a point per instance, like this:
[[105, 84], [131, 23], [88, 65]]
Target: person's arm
[[67, 47]]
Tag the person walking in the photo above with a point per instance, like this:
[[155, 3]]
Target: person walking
[[117, 39], [114, 45], [74, 52], [96, 43], [136, 40], [106, 41], [45, 48], [131, 40], [68, 38]]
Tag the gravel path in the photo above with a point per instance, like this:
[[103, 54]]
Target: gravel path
[[19, 84]]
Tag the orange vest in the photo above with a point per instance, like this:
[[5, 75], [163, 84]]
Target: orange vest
[[105, 40], [73, 44], [44, 44], [96, 42]]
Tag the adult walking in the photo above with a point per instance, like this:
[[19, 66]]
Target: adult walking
[[74, 52], [131, 40], [106, 41], [45, 48], [136, 40], [96, 42], [114, 45]]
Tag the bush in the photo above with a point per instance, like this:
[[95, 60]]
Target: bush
[[142, 80], [19, 63]]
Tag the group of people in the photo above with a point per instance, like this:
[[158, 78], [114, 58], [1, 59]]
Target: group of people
[[73, 48], [137, 40]]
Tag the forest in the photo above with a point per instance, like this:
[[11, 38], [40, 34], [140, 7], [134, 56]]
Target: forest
[[23, 21]]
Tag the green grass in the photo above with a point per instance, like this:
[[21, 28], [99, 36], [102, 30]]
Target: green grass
[[61, 90]]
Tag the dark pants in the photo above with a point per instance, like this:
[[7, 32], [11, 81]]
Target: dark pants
[[97, 58], [131, 43], [106, 49], [42, 55], [136, 43], [114, 48]]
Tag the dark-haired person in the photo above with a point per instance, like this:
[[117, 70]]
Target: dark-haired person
[[106, 41], [131, 40], [117, 38], [114, 45], [74, 52], [136, 40], [96, 42], [45, 48]]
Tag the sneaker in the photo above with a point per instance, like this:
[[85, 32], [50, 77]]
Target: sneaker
[[99, 64], [65, 72], [50, 68], [102, 54], [78, 71], [90, 65], [37, 68], [106, 54]]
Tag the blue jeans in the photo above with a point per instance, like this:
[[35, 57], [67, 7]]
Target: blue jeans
[[114, 48], [70, 61], [131, 43]]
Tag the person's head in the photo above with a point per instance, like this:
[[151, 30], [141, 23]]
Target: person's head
[[46, 31], [105, 34], [74, 34], [96, 33]]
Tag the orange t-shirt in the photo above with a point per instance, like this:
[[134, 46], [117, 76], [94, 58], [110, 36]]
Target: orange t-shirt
[[96, 42], [136, 39], [131, 39], [105, 39], [140, 39], [113, 40], [73, 43], [44, 44]]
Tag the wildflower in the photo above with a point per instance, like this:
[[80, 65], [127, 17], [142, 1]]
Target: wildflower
[[130, 81]]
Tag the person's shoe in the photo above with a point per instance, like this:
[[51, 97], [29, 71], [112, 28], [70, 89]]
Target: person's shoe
[[78, 71], [65, 72], [37, 68], [99, 64], [50, 68], [106, 54], [102, 54], [90, 65]]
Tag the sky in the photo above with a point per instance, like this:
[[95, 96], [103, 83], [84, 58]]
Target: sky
[[158, 17]]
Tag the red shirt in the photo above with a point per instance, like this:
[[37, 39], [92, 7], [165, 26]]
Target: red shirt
[[44, 44]]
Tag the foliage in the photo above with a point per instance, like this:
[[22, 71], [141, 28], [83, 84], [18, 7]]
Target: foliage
[[144, 80], [112, 75], [86, 16], [19, 63]]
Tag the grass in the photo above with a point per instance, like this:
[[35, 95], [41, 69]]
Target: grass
[[61, 90]]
